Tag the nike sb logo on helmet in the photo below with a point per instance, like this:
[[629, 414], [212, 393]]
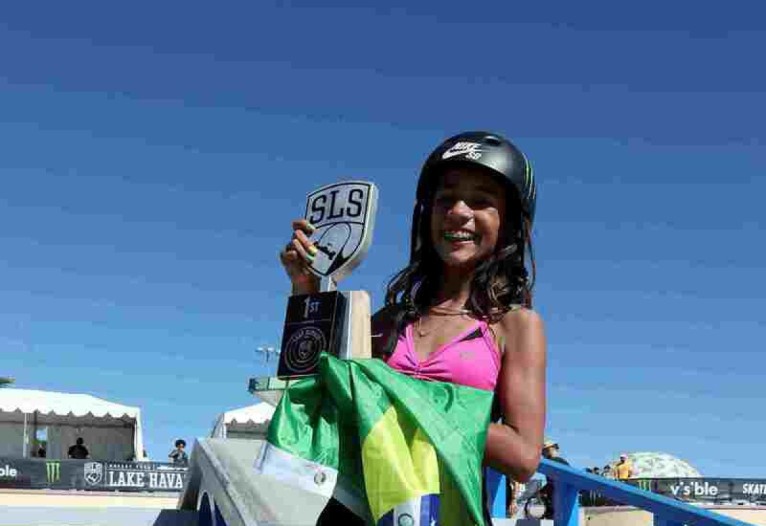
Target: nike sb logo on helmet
[[472, 150]]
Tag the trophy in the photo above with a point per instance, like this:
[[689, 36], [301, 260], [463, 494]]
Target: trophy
[[333, 321]]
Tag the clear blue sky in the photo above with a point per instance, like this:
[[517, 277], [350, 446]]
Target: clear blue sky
[[152, 156]]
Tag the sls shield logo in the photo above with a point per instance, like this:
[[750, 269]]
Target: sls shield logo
[[343, 214], [93, 473]]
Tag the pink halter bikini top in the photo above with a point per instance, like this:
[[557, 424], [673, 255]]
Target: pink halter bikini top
[[471, 358]]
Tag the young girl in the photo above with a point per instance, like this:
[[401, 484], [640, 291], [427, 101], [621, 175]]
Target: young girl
[[461, 310]]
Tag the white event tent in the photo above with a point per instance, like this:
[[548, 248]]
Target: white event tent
[[110, 431], [246, 422]]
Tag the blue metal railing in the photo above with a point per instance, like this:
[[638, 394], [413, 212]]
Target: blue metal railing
[[570, 482]]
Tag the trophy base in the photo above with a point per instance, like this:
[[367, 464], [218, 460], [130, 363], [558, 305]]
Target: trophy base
[[357, 337], [354, 341]]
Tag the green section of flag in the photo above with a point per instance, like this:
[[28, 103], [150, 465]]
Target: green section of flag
[[391, 438]]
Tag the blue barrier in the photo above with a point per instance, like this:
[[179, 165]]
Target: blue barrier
[[495, 483], [570, 482]]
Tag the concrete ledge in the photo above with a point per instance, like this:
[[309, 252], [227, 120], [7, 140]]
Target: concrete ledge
[[24, 507], [630, 516], [224, 471], [72, 516], [10, 498]]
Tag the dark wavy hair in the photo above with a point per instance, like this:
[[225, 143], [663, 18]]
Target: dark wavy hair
[[500, 283]]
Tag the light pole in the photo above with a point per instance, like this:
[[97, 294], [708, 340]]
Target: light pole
[[267, 351]]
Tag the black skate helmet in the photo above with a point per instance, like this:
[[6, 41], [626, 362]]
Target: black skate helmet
[[488, 150]]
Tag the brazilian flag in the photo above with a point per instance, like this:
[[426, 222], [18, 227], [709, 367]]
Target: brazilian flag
[[394, 449]]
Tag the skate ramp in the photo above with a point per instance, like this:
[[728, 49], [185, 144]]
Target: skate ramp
[[223, 481], [79, 508]]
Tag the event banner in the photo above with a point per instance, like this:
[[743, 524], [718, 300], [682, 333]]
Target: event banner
[[712, 490], [38, 473]]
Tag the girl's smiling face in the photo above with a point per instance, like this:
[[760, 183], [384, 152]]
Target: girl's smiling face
[[466, 216]]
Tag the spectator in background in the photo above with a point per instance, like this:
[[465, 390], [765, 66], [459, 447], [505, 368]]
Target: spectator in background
[[178, 455], [607, 472], [551, 452], [623, 470], [513, 491], [586, 497], [78, 451], [594, 497]]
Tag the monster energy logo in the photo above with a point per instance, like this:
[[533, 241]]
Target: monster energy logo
[[52, 472]]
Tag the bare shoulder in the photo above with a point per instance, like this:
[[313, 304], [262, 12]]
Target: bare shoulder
[[521, 330], [522, 318]]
